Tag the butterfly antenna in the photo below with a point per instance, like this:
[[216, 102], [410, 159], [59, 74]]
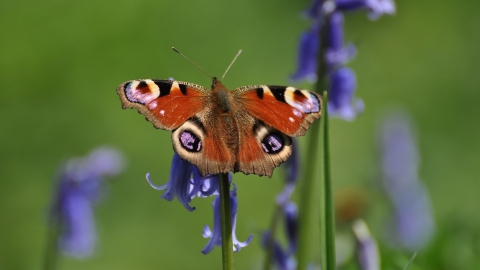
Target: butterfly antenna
[[235, 58], [177, 51]]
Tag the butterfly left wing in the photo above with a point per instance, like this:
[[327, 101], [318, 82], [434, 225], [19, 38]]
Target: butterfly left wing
[[287, 109], [165, 103]]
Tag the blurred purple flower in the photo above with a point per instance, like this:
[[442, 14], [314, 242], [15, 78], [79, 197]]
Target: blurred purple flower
[[284, 259], [337, 54], [216, 235], [307, 55], [78, 190], [376, 8], [341, 101], [367, 249], [186, 183], [412, 225]]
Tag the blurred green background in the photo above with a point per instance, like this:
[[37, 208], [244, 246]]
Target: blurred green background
[[61, 61]]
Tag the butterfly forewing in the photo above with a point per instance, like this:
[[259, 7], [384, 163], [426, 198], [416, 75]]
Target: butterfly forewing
[[287, 109], [163, 101]]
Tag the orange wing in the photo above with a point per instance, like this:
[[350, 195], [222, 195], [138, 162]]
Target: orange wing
[[165, 103], [287, 109]]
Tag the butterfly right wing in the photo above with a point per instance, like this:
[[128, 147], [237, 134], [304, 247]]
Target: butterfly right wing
[[165, 103]]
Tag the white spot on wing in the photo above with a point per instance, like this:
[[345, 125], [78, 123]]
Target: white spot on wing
[[297, 113], [291, 119], [162, 112]]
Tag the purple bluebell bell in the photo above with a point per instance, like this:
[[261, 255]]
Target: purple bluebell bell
[[78, 189], [215, 235], [337, 54], [284, 258], [375, 8], [186, 183], [412, 225], [368, 255], [307, 55], [341, 100]]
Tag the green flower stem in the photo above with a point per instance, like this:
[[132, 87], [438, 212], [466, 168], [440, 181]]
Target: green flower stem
[[306, 199], [311, 164], [327, 214], [226, 220]]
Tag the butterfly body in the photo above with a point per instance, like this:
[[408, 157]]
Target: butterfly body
[[248, 129]]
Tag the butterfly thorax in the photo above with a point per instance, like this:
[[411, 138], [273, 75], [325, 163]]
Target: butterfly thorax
[[226, 122], [221, 97]]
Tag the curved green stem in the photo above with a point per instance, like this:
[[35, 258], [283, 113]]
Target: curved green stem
[[226, 220]]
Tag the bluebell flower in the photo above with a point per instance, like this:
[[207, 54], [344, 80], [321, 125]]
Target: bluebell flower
[[80, 182], [341, 100], [186, 183], [337, 54], [368, 255], [375, 8], [412, 225], [215, 235], [284, 258], [307, 55]]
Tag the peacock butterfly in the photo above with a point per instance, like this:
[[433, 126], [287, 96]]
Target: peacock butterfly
[[246, 130]]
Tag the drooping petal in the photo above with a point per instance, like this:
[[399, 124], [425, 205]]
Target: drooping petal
[[379, 7], [337, 54], [341, 102], [376, 8], [178, 184], [307, 55], [215, 235]]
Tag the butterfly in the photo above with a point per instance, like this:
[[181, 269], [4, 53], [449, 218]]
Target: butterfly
[[248, 129]]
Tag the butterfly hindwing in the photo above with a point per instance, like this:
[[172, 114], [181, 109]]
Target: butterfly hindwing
[[261, 148], [287, 109], [201, 141], [165, 103]]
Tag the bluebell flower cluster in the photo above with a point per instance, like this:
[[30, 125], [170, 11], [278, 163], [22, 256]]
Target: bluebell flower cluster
[[215, 235], [284, 257], [412, 224], [342, 80], [186, 183], [79, 188]]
